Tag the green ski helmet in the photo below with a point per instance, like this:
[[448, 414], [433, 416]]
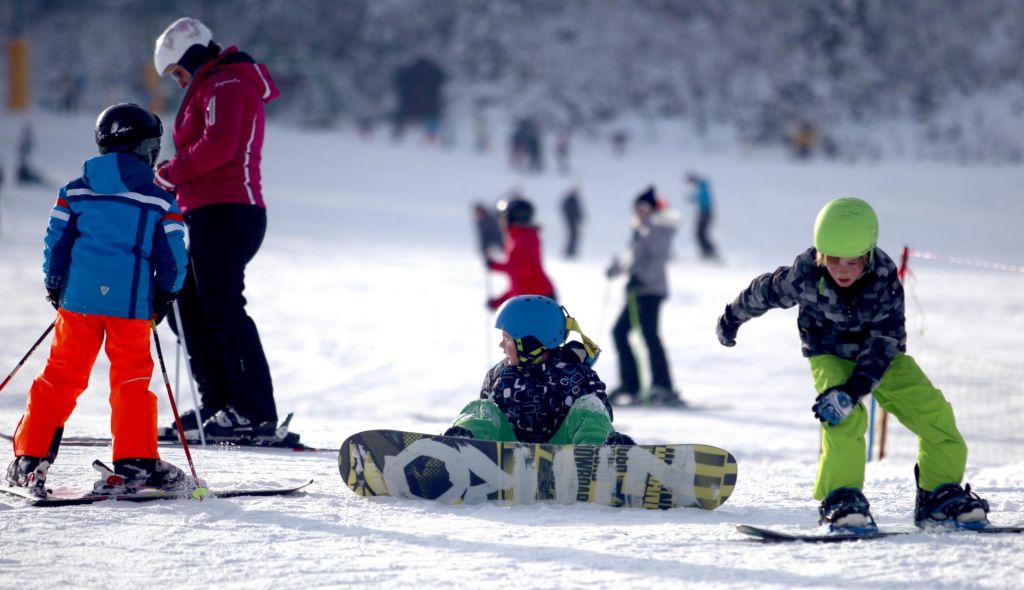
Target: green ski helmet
[[846, 228]]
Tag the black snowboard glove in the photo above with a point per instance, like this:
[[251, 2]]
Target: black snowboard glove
[[727, 327], [162, 301], [459, 431], [620, 439]]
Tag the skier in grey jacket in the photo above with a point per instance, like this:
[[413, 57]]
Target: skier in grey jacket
[[647, 288]]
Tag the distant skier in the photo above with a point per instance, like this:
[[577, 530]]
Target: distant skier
[[572, 212], [853, 332], [107, 285], [647, 288], [544, 390], [522, 253], [705, 212], [488, 232]]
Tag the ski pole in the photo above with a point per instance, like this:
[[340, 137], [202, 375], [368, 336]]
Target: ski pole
[[198, 491], [191, 378], [487, 324], [28, 354]]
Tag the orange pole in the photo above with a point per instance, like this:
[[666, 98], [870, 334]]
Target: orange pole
[[17, 74]]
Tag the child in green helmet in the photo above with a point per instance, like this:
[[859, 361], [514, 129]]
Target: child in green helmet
[[852, 327], [545, 390]]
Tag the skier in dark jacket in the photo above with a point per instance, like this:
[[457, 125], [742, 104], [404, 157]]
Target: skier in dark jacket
[[488, 232], [215, 175], [572, 211], [852, 328], [545, 390]]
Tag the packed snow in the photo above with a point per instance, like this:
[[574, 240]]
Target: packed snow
[[369, 296]]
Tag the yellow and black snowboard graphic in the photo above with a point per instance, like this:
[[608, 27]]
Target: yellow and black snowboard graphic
[[461, 470]]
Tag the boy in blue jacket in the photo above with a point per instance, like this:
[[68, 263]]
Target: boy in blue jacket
[[114, 259]]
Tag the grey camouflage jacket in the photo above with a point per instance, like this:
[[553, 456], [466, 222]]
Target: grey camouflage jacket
[[863, 323], [649, 253]]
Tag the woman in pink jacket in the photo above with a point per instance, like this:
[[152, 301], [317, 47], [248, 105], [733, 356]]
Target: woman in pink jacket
[[218, 134]]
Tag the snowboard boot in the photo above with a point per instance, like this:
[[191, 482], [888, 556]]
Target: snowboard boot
[[846, 510], [619, 439], [949, 505], [132, 475], [664, 397], [228, 425], [29, 472], [459, 431]]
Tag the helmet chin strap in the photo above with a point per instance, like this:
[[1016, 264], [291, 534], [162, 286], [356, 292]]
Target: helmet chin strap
[[593, 350]]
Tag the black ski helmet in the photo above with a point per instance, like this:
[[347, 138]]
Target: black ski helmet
[[516, 210], [129, 128]]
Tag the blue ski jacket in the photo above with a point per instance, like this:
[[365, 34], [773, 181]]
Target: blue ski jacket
[[113, 237]]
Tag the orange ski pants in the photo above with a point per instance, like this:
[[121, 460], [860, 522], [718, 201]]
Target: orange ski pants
[[54, 393]]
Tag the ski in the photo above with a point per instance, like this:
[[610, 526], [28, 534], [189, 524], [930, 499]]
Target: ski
[[64, 499], [168, 437], [775, 536], [284, 445]]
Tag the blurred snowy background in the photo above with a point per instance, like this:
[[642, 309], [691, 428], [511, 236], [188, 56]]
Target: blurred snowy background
[[871, 78], [369, 290]]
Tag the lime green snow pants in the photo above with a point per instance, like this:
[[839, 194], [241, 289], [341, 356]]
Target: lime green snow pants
[[906, 393], [587, 422]]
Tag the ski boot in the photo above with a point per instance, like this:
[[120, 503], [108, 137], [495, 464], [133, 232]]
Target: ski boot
[[29, 472], [623, 396], [664, 397], [188, 424], [132, 475], [228, 425], [846, 510], [949, 505]]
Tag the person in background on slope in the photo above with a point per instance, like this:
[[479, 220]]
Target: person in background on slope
[[572, 212], [545, 390], [653, 228], [215, 174], [852, 328], [114, 259], [488, 232], [522, 253], [702, 197]]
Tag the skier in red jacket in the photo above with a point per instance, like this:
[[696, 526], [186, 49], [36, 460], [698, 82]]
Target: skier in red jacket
[[218, 134], [522, 253]]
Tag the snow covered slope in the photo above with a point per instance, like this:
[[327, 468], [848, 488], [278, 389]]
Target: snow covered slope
[[369, 296]]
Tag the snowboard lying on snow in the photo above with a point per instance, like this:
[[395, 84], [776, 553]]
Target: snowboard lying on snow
[[456, 470]]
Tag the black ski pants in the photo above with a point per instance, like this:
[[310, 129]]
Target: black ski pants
[[224, 347], [641, 311]]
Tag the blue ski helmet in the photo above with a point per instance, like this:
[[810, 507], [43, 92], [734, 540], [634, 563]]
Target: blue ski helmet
[[535, 322]]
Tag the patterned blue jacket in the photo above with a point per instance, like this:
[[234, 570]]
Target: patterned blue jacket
[[113, 236], [863, 323], [537, 398]]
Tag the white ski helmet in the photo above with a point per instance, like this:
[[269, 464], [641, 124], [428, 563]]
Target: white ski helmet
[[176, 39]]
